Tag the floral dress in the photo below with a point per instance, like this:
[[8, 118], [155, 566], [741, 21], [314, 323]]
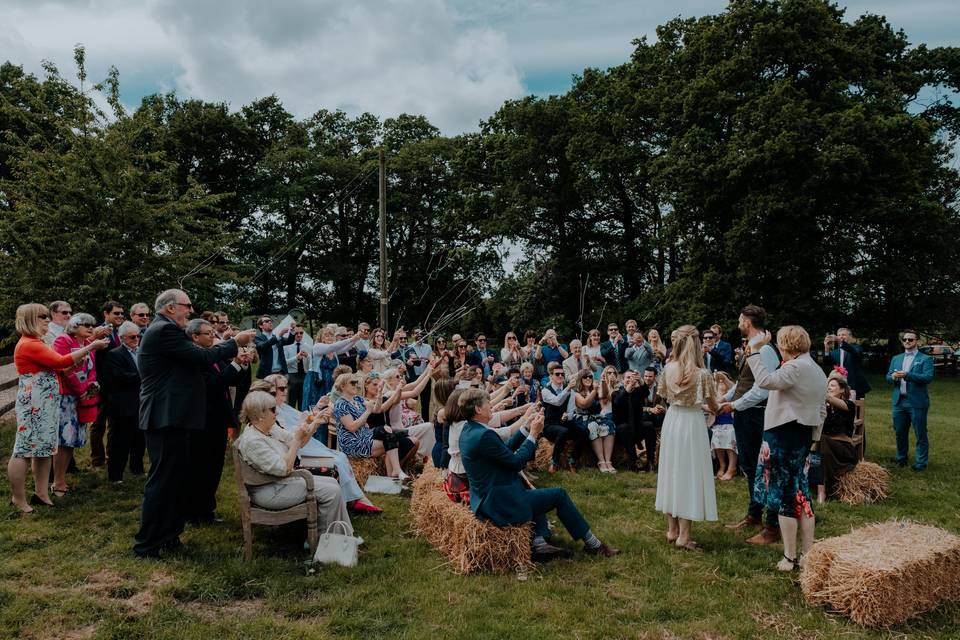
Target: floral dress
[[359, 443], [782, 471], [38, 415]]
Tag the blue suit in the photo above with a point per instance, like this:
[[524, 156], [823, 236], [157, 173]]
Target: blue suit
[[498, 494], [911, 408], [265, 345]]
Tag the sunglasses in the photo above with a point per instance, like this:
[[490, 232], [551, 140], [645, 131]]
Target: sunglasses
[[84, 324], [708, 337], [511, 337], [461, 346], [481, 339], [904, 340], [187, 305], [273, 409], [116, 313], [145, 315], [281, 388], [352, 383], [43, 316], [558, 373], [65, 313], [134, 336]]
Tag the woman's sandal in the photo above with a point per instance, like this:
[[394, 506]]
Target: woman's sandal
[[788, 564]]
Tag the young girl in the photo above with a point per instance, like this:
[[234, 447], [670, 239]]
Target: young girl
[[724, 441]]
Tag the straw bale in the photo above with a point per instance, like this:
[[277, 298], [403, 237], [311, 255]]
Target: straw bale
[[363, 468], [468, 544], [883, 574], [541, 461], [865, 483]]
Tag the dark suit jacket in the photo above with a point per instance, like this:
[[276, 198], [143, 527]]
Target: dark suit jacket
[[265, 351], [717, 360], [610, 353], [852, 362], [219, 377], [172, 390], [496, 491], [118, 374], [476, 356]]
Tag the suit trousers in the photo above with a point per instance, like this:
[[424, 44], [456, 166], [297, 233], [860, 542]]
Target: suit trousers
[[124, 442], [295, 390], [165, 494], [904, 416], [748, 427], [425, 401], [560, 433], [650, 425], [625, 437], [207, 450], [542, 501], [98, 455]]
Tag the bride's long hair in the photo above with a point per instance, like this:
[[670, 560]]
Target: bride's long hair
[[686, 357]]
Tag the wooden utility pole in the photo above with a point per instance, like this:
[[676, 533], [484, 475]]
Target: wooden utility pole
[[383, 242]]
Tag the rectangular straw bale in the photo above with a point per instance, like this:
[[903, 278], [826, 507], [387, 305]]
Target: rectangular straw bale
[[468, 544], [883, 574]]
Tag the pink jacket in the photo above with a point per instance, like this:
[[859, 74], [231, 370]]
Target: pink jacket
[[77, 381]]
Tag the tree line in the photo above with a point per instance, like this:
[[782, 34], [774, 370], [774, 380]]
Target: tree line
[[775, 153]]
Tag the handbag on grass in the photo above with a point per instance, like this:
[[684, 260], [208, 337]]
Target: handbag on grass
[[383, 484], [337, 548]]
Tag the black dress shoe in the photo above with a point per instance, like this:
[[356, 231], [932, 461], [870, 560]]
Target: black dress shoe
[[602, 550], [546, 552], [37, 502]]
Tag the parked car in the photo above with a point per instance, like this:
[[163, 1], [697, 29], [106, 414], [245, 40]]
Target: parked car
[[944, 356]]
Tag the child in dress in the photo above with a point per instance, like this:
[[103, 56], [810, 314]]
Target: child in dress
[[724, 441]]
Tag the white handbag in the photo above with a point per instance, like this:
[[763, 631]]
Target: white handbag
[[335, 548], [383, 484]]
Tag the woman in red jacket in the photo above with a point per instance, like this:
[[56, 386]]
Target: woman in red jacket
[[81, 394], [38, 404]]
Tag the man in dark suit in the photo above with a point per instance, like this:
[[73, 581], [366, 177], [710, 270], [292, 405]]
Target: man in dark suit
[[614, 350], [498, 494], [482, 356], [713, 357], [112, 319], [208, 445], [117, 371], [638, 415], [270, 347], [172, 405], [840, 351]]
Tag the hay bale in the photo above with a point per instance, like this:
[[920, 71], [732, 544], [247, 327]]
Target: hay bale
[[883, 574], [541, 461], [363, 468], [865, 483], [468, 544]]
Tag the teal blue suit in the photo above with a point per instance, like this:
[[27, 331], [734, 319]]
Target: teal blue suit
[[498, 494], [911, 409]]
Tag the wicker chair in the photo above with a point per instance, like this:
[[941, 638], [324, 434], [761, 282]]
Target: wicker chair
[[251, 514]]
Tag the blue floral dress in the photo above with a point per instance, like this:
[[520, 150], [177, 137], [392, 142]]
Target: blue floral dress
[[359, 443], [38, 415], [782, 469]]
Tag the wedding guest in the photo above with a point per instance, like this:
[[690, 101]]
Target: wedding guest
[[60, 313], [792, 421], [652, 416], [910, 372], [551, 350], [355, 434], [591, 350], [140, 316], [578, 361], [80, 398], [112, 319], [379, 350], [841, 350], [627, 409], [685, 489], [639, 354], [724, 439], [418, 356], [272, 451], [560, 428], [299, 362], [511, 355], [482, 356], [119, 375], [659, 349], [630, 326], [837, 453], [497, 493], [722, 347], [37, 405], [323, 362], [614, 350], [713, 358]]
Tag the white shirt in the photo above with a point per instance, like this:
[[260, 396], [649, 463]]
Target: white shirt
[[908, 358]]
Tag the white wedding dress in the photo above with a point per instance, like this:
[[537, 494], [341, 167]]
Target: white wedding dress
[[685, 482]]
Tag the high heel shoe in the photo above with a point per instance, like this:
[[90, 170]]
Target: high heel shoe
[[23, 509], [37, 501]]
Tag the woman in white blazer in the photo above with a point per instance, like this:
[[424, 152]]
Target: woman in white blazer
[[791, 422]]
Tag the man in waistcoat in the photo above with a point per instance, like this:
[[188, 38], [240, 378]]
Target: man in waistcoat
[[749, 402]]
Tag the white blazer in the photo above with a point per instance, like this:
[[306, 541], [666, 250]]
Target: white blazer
[[798, 391]]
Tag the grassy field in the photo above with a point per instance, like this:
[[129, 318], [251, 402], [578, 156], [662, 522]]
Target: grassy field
[[69, 572]]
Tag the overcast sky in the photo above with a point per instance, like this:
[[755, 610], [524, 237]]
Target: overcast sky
[[454, 61]]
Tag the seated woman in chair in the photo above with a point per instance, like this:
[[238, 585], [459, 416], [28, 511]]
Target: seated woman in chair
[[288, 418], [837, 452], [271, 450]]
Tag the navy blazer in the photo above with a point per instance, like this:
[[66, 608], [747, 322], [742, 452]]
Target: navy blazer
[[496, 491], [853, 354], [265, 347], [220, 414], [611, 353], [117, 372], [919, 376], [172, 390]]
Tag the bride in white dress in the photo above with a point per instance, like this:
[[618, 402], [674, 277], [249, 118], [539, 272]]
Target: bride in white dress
[[685, 482]]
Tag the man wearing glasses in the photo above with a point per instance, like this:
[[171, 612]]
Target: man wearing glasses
[[60, 312], [269, 347], [910, 372], [482, 356], [140, 316], [173, 399], [614, 350], [112, 319], [713, 359], [558, 427], [120, 377]]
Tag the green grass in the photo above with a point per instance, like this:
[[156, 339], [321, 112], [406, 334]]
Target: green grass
[[68, 572]]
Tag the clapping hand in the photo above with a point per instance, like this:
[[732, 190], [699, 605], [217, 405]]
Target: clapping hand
[[102, 343], [536, 426], [245, 337]]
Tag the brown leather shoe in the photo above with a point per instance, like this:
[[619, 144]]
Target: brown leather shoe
[[602, 550], [767, 535], [748, 522]]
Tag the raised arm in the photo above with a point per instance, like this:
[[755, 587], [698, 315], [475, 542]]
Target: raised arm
[[321, 348]]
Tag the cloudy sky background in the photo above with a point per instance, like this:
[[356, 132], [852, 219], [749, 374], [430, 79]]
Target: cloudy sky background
[[454, 61]]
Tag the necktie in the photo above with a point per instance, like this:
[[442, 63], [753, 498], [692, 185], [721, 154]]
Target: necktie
[[299, 360]]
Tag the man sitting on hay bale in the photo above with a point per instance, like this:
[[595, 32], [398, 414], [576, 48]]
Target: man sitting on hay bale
[[497, 493]]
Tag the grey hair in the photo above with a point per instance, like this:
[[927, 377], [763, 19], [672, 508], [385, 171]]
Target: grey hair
[[128, 327], [575, 343], [195, 326], [76, 320], [166, 298], [140, 305]]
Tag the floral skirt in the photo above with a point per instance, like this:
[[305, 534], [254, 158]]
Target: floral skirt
[[782, 469], [724, 437], [38, 415], [73, 433]]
